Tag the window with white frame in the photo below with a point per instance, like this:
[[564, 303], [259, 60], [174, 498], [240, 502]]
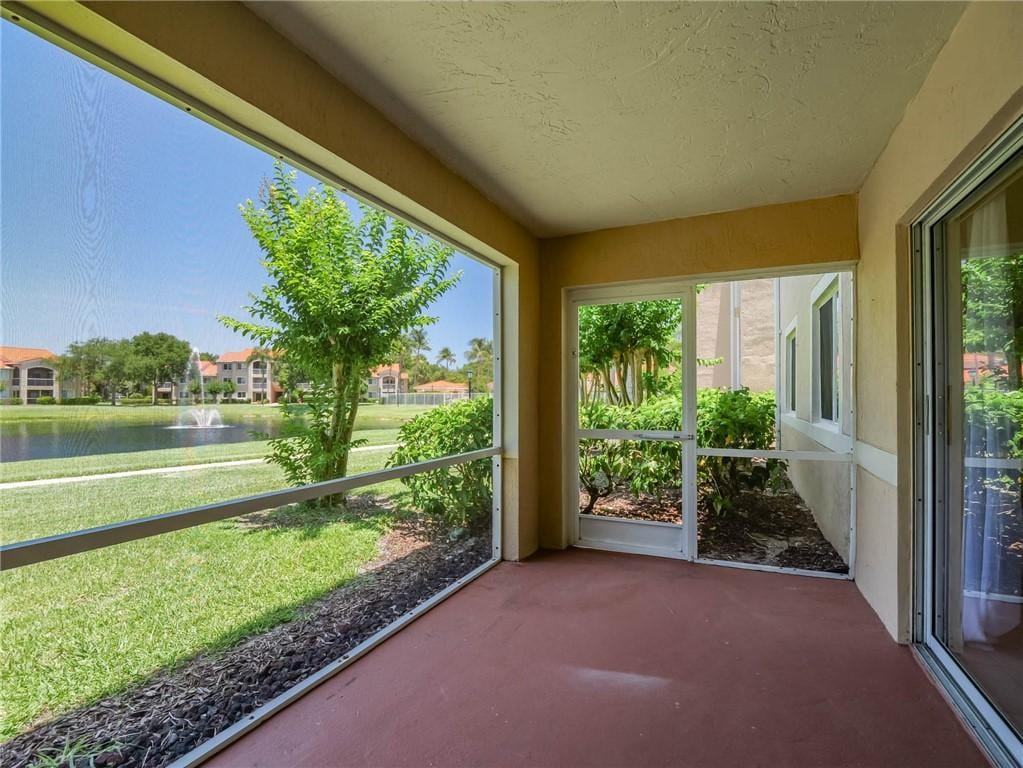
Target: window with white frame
[[790, 371], [827, 358]]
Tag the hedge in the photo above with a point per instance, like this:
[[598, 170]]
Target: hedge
[[454, 496]]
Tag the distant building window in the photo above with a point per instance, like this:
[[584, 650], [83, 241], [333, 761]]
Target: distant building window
[[790, 370], [240, 379]]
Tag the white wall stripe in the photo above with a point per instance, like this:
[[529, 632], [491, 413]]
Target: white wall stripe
[[880, 463]]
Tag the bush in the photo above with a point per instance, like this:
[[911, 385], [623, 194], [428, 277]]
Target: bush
[[642, 466], [736, 419], [454, 496], [994, 420], [86, 400], [135, 400], [46, 400]]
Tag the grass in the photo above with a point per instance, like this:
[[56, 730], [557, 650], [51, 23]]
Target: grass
[[79, 628]]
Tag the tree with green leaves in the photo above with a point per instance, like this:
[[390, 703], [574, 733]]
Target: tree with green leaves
[[227, 388], [479, 360], [992, 295], [623, 347], [446, 358], [208, 357], [82, 363], [98, 365], [341, 295], [290, 376], [159, 357], [418, 342], [214, 389]]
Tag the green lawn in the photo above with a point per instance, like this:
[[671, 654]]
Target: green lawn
[[78, 628]]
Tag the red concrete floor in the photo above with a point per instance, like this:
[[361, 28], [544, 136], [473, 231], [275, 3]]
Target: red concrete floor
[[584, 658]]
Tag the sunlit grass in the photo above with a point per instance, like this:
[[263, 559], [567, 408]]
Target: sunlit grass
[[81, 627]]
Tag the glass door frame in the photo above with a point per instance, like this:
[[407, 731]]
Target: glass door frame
[[634, 536], [932, 455]]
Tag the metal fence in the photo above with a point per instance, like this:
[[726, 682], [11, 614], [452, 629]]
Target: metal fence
[[428, 398]]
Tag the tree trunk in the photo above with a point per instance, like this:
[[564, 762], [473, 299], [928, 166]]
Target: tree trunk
[[622, 369], [154, 393]]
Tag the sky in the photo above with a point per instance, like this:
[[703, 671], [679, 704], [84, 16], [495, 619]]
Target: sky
[[119, 214]]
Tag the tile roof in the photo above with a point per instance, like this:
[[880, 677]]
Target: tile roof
[[16, 355], [240, 356]]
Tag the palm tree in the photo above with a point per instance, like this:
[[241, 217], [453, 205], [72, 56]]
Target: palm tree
[[480, 357], [446, 357], [418, 342]]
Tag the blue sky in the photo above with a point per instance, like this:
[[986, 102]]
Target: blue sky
[[119, 214]]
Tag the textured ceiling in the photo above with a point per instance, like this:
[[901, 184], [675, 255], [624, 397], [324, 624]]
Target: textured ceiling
[[581, 116]]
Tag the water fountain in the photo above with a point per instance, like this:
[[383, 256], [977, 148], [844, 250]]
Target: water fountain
[[201, 417]]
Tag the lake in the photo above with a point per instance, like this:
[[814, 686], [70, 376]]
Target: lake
[[65, 438]]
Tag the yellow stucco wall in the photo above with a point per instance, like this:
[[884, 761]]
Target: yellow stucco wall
[[228, 61], [971, 93], [777, 236]]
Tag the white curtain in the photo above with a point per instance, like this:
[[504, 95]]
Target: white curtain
[[990, 577]]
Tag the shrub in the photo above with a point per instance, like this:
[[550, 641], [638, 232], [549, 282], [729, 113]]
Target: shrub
[[454, 496], [46, 400], [134, 400], [736, 419], [642, 466], [86, 400], [993, 420]]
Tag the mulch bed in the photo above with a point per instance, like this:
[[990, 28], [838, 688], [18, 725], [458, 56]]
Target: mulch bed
[[173, 712], [767, 529], [762, 528]]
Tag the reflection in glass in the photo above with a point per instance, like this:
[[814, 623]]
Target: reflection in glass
[[983, 624]]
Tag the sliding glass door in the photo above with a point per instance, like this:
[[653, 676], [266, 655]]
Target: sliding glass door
[[971, 549]]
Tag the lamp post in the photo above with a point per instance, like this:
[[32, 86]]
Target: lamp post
[[468, 375]]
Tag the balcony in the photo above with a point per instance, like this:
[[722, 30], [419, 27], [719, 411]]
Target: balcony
[[593, 658]]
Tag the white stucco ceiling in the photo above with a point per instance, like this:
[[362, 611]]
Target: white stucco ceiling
[[581, 116]]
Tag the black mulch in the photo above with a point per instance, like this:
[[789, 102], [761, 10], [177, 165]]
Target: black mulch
[[761, 527], [173, 712]]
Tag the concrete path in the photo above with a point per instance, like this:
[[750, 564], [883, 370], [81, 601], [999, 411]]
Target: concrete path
[[158, 470]]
